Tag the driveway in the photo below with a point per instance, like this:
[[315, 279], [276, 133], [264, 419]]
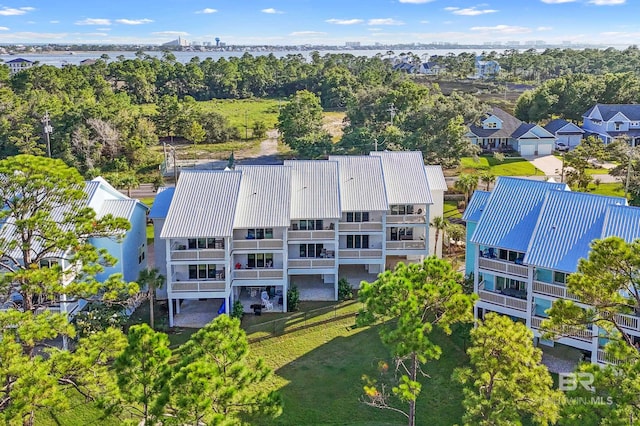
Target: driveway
[[549, 165]]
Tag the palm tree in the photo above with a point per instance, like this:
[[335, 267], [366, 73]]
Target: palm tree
[[152, 279], [466, 183], [488, 178], [439, 224]]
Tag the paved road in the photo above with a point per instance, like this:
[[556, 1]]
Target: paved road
[[551, 166]]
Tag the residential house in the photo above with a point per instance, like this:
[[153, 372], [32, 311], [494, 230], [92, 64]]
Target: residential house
[[613, 121], [437, 186], [565, 132], [18, 64], [236, 235], [157, 215], [486, 69], [430, 68], [523, 240], [499, 130]]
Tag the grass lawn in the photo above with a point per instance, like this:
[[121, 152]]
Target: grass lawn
[[611, 189], [451, 211], [318, 372], [509, 167]]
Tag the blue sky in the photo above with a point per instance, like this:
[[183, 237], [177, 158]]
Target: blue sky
[[333, 22]]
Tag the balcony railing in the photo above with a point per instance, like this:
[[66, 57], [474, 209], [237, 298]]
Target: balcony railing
[[360, 226], [360, 253], [503, 266], [605, 358], [311, 263], [266, 244], [574, 332], [630, 322], [258, 274], [197, 286], [311, 235], [553, 290], [407, 218], [201, 254], [406, 245], [502, 300]]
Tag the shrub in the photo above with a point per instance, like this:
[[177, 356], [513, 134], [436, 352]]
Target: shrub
[[98, 317], [238, 310], [293, 299], [345, 292]]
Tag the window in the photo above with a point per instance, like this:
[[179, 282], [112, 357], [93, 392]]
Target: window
[[202, 272], [510, 256], [260, 234], [490, 125], [141, 253], [205, 243], [617, 126], [398, 234], [48, 263], [358, 241], [559, 277], [311, 225], [260, 260], [358, 217], [311, 250], [503, 283], [402, 209]]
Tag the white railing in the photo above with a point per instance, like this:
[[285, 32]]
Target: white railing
[[311, 263], [503, 266], [360, 226], [627, 321], [553, 290], [605, 358], [574, 332], [197, 286], [202, 254], [502, 300], [266, 244], [407, 218], [360, 253], [258, 274], [406, 245], [311, 235]]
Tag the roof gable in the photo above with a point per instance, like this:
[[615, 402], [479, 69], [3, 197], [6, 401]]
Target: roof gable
[[405, 179], [622, 221], [162, 202], [314, 189], [476, 206], [435, 178], [264, 199], [361, 183]]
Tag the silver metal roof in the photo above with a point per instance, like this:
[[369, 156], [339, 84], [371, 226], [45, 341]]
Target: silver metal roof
[[203, 205], [568, 223], [511, 213], [118, 208], [623, 222], [314, 189], [435, 177], [404, 177], [361, 183], [265, 197]]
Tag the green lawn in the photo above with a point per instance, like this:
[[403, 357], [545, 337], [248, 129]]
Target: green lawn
[[611, 189], [451, 210], [509, 167]]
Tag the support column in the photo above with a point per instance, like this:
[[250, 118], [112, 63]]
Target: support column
[[170, 312], [227, 303], [594, 344], [530, 275], [177, 306]]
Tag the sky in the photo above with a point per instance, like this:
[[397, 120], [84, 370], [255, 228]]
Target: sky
[[328, 22]]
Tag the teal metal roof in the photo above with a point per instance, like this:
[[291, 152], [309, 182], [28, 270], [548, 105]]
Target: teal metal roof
[[569, 222], [160, 206], [623, 222], [476, 206], [511, 212]]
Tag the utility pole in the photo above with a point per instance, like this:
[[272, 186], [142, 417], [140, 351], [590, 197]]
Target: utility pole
[[626, 186], [246, 125], [46, 123], [392, 111]]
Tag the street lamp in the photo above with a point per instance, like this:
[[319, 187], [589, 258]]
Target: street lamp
[[48, 129]]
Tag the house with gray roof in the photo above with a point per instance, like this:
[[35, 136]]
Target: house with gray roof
[[613, 121], [525, 237], [565, 132], [501, 131], [18, 64]]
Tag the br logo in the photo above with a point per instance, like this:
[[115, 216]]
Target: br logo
[[571, 381]]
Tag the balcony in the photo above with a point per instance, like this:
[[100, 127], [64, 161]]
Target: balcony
[[500, 299], [258, 274], [630, 322], [311, 263], [266, 244], [360, 226], [604, 358], [360, 253], [503, 266], [575, 332], [553, 290], [406, 245], [394, 219], [311, 235], [201, 254], [197, 286]]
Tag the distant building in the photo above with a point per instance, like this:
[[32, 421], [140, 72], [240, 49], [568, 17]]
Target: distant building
[[18, 64], [352, 44], [178, 42], [86, 62], [486, 69]]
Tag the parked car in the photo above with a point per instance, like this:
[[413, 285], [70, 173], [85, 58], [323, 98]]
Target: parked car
[[560, 146]]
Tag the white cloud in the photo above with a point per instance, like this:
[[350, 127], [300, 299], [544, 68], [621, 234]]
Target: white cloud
[[207, 10], [94, 21], [12, 11], [503, 29], [171, 33], [557, 1], [424, 22], [344, 21], [469, 11], [103, 29], [544, 28], [134, 21], [416, 1], [271, 11], [54, 22], [607, 2], [4, 29], [385, 21], [307, 33]]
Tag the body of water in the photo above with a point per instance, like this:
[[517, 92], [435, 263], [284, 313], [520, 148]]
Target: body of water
[[74, 58]]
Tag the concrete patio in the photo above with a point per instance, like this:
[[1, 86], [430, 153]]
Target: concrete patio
[[196, 313]]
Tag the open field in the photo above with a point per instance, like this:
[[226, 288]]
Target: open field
[[516, 166]]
